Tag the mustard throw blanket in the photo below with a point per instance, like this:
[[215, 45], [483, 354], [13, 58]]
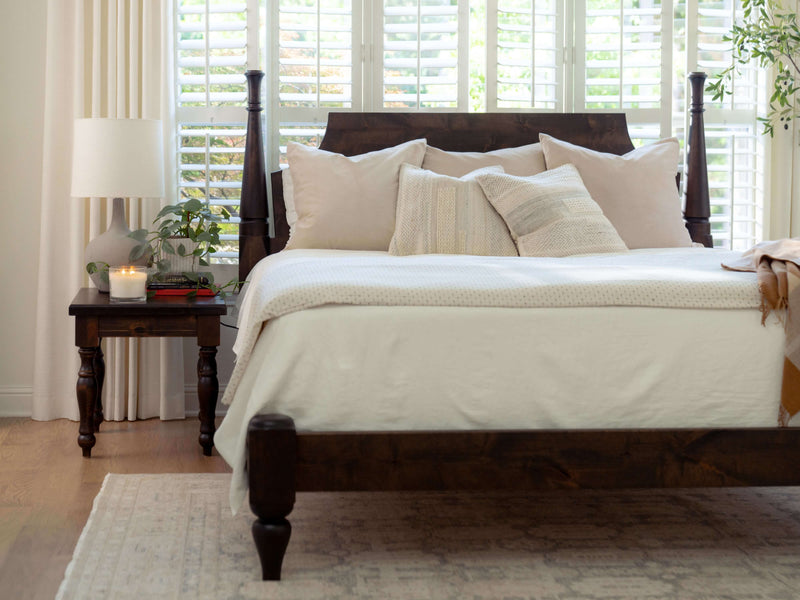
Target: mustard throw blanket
[[777, 266]]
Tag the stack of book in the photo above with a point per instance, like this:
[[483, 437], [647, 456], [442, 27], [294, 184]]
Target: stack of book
[[179, 285]]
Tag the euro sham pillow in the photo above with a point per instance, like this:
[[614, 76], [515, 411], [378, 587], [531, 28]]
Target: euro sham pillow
[[347, 203], [551, 214], [522, 160], [636, 191], [438, 214]]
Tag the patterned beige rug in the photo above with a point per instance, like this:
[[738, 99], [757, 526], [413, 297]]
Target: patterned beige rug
[[172, 536]]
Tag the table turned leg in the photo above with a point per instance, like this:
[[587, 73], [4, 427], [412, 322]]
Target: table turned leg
[[87, 398], [207, 392], [100, 375]]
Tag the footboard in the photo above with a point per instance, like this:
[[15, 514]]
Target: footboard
[[282, 461]]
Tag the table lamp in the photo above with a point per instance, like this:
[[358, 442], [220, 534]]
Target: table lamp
[[116, 158]]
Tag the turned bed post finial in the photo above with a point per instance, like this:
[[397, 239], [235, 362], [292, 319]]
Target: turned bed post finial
[[698, 205], [253, 232]]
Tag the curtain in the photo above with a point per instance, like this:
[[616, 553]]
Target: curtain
[[105, 58]]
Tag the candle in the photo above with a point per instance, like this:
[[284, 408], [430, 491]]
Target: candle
[[127, 284]]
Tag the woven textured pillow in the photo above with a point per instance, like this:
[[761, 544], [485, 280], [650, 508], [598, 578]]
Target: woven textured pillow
[[437, 214], [636, 191], [551, 214], [347, 202], [521, 160]]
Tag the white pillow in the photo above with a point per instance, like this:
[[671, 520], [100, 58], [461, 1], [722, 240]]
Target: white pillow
[[522, 160], [551, 214], [288, 197], [437, 214], [637, 191], [347, 203]]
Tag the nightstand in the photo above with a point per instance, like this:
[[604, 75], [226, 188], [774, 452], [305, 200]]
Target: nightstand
[[168, 316]]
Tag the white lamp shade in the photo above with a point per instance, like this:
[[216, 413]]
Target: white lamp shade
[[117, 158]]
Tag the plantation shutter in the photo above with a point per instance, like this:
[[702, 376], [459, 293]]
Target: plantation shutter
[[316, 67], [525, 49], [216, 41], [735, 145], [543, 55], [623, 62], [423, 52]]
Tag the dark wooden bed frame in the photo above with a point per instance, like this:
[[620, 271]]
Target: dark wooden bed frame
[[281, 460]]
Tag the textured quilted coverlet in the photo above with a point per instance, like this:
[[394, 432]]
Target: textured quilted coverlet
[[296, 280]]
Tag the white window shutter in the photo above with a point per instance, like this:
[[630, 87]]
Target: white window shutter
[[735, 145], [623, 62], [525, 48], [315, 65], [423, 57], [216, 41]]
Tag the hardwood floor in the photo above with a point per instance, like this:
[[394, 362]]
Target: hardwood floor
[[47, 488]]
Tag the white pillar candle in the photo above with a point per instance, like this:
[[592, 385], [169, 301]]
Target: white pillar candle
[[127, 283]]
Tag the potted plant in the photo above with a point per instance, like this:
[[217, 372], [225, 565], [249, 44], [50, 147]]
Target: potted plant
[[187, 234], [770, 37]]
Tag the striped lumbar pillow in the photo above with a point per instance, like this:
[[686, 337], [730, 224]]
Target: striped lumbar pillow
[[438, 214]]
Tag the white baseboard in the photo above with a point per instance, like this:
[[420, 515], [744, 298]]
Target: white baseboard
[[16, 400], [192, 407]]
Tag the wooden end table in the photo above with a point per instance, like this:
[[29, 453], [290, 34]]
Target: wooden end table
[[162, 316]]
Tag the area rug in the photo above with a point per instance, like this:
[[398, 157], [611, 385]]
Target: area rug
[[173, 536]]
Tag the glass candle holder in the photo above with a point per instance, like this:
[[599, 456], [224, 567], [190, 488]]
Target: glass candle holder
[[127, 284]]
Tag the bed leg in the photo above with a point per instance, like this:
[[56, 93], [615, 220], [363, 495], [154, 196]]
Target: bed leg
[[271, 458]]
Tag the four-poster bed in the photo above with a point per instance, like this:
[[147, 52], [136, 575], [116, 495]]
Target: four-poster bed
[[280, 459]]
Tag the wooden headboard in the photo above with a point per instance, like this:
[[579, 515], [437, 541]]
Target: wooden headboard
[[352, 133]]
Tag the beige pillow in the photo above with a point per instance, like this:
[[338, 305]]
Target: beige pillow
[[437, 214], [551, 214], [347, 203], [523, 160], [636, 191], [288, 197]]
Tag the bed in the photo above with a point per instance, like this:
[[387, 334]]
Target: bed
[[416, 427]]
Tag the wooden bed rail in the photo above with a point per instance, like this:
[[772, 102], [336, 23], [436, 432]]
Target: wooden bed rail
[[353, 133]]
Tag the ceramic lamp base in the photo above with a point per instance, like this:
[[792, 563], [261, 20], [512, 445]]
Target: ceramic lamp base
[[113, 247]]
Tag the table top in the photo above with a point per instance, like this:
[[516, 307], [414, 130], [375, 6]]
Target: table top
[[91, 302]]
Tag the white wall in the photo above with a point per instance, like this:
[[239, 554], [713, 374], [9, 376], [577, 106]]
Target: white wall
[[22, 64]]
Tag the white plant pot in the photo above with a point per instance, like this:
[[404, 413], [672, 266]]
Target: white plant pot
[[183, 264]]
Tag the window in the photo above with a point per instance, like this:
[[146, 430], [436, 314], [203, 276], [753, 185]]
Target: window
[[464, 55], [734, 143], [216, 41]]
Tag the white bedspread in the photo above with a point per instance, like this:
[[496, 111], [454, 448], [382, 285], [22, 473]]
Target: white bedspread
[[300, 279], [285, 368]]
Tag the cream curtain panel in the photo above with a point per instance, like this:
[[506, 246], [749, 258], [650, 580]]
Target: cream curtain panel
[[105, 58]]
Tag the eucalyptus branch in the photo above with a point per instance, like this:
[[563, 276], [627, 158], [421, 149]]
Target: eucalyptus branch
[[770, 37]]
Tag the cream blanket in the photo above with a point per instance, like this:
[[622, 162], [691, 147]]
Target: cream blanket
[[777, 266], [301, 279], [304, 279]]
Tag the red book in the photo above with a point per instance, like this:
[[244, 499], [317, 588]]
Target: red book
[[183, 292]]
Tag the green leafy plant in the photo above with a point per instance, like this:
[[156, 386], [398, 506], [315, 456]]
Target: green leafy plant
[[770, 37], [176, 226]]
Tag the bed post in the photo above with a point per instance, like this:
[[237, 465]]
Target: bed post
[[272, 457], [698, 206], [253, 232]]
